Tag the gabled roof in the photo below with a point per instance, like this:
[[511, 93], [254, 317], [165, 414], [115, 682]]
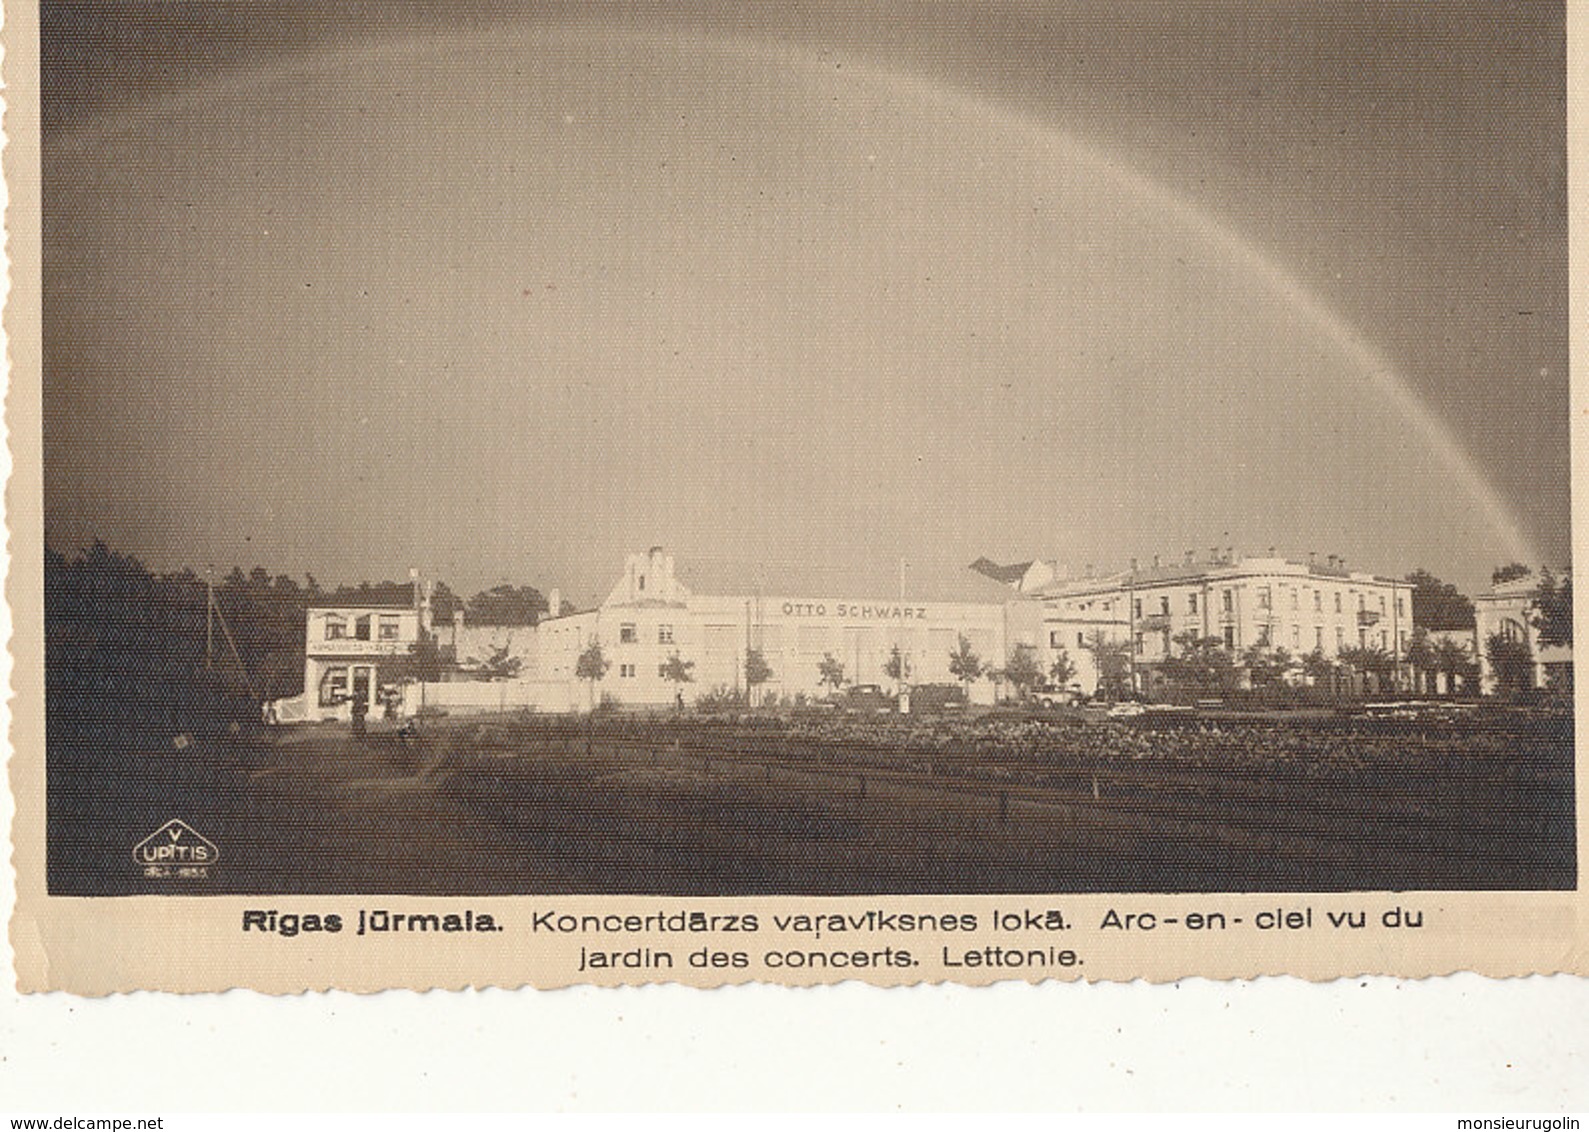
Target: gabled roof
[[1008, 575]]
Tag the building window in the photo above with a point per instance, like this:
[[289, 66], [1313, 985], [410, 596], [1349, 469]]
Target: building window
[[1164, 605], [361, 628], [1080, 641], [1362, 602], [626, 671], [1229, 600], [1296, 637], [388, 628], [1191, 603], [1337, 603], [1053, 639], [642, 581], [1136, 608], [664, 634], [1318, 637], [1265, 598], [1382, 605], [333, 687], [1263, 636], [336, 629], [1230, 636], [1296, 598], [1318, 601], [662, 671], [1400, 608], [627, 635], [1340, 638]]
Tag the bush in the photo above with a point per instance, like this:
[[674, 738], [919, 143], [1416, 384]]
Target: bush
[[720, 699]]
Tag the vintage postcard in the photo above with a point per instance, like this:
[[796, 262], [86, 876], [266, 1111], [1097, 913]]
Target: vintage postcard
[[528, 494]]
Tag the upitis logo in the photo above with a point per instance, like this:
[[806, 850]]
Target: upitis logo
[[176, 849]]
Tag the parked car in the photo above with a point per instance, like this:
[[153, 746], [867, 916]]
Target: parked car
[[1127, 710], [928, 699], [1052, 695], [867, 699]]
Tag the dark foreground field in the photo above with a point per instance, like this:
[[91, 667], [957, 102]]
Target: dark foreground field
[[829, 806]]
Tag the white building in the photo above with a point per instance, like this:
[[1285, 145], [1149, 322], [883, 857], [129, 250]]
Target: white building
[[1243, 602], [349, 653], [651, 615], [1507, 610]]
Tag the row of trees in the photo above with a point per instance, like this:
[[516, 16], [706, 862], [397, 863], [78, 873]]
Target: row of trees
[[112, 608], [965, 665], [1207, 665]]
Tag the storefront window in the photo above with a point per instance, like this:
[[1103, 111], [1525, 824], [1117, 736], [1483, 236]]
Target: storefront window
[[333, 687]]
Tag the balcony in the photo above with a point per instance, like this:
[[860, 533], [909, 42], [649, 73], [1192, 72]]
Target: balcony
[[1367, 617], [1153, 623]]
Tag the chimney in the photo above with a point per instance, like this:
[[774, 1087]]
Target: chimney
[[1230, 554], [1313, 558], [1155, 561], [1271, 552], [1213, 556], [1191, 557], [1133, 565], [554, 603], [1089, 569]]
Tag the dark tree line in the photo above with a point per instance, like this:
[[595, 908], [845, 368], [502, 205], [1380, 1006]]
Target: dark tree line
[[123, 640]]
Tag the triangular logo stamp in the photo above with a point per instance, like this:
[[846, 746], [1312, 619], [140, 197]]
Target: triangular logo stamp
[[176, 849]]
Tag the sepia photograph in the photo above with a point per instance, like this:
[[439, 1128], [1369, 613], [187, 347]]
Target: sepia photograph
[[702, 450]]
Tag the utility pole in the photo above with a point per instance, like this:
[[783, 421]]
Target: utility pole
[[419, 633], [1131, 626], [212, 614], [209, 617]]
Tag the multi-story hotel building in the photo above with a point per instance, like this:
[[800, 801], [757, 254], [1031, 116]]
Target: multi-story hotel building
[[1241, 602]]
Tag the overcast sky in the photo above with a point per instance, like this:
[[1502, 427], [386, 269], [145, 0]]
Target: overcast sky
[[505, 292]]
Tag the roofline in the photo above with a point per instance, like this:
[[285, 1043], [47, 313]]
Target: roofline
[[1168, 576]]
